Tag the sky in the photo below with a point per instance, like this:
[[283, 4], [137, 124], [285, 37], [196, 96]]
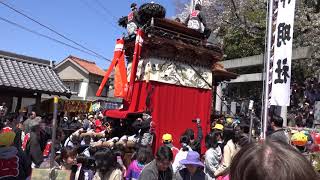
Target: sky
[[84, 21]]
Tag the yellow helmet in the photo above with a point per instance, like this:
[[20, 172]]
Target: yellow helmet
[[167, 137], [299, 139], [218, 127], [229, 120]]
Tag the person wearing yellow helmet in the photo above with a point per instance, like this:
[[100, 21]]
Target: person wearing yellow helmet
[[218, 127], [218, 130], [167, 141]]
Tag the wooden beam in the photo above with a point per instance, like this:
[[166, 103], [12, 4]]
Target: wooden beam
[[18, 104], [38, 103]]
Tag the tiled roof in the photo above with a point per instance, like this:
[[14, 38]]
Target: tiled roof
[[90, 66], [29, 74], [24, 58]]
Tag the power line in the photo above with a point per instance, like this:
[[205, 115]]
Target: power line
[[105, 9], [47, 37], [54, 31], [101, 15]]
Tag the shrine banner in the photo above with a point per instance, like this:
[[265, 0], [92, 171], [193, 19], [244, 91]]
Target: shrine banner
[[281, 75]]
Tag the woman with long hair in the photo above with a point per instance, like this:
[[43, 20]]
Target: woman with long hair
[[213, 155], [143, 157], [107, 166], [68, 160], [182, 154], [234, 141]]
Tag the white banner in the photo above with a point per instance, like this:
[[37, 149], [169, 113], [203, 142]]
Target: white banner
[[317, 112], [281, 76]]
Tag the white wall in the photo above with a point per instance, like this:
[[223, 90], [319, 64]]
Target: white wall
[[83, 90], [25, 102], [68, 71]]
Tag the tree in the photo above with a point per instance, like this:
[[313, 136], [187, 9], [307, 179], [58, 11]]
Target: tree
[[241, 26]]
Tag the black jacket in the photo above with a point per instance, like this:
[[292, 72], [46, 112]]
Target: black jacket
[[196, 144], [17, 165], [33, 149]]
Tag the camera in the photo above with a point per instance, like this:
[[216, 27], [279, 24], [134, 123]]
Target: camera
[[197, 120]]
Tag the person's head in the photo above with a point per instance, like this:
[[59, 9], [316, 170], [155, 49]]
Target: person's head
[[19, 125], [35, 125], [86, 162], [100, 116], [271, 160], [217, 127], [245, 128], [192, 162], [106, 160], [164, 158], [144, 155], [87, 139], [198, 7], [32, 115], [276, 121], [60, 135], [119, 149], [85, 125], [228, 133], [211, 140], [185, 141], [75, 140], [218, 130], [133, 6], [146, 116], [190, 133], [68, 156], [91, 118], [167, 138]]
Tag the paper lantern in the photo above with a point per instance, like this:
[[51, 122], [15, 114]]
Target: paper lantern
[[299, 139]]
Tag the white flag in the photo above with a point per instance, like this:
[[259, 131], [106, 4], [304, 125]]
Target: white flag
[[281, 75]]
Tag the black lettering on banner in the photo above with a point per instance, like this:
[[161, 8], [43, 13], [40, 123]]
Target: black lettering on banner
[[284, 3], [283, 33], [282, 72]]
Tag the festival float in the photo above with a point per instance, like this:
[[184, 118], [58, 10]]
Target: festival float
[[170, 74]]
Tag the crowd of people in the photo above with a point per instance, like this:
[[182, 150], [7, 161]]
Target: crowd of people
[[93, 147]]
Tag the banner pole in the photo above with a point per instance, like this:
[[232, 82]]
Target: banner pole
[[54, 130], [267, 69]]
